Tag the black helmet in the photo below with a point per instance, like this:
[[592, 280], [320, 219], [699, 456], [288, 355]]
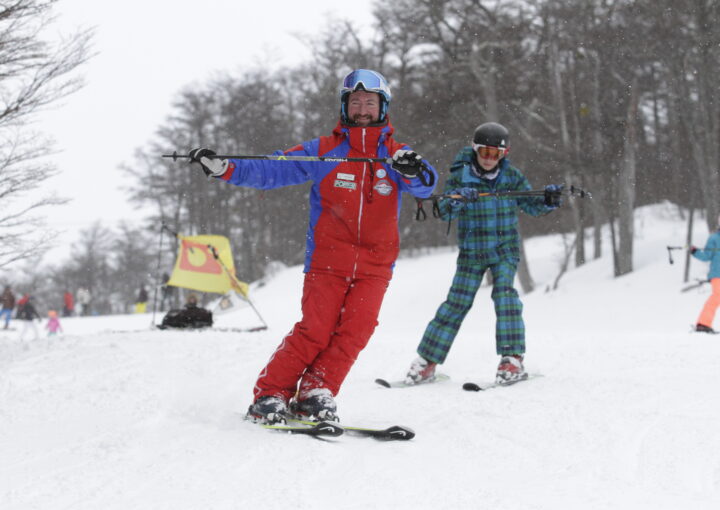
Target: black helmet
[[492, 134]]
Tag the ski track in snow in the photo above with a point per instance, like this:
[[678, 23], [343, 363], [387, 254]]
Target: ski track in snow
[[625, 415]]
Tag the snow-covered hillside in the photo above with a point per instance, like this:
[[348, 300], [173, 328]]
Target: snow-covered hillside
[[116, 416]]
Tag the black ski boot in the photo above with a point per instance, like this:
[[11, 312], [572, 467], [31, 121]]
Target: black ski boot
[[269, 409], [702, 328], [318, 406]]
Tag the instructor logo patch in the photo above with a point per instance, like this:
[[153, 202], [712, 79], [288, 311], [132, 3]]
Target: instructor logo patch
[[383, 187], [345, 184], [346, 177]]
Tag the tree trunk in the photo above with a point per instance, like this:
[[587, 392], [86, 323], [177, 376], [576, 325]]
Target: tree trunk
[[559, 94], [597, 154], [626, 191], [688, 242]]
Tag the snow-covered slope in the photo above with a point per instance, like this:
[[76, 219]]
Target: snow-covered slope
[[116, 416]]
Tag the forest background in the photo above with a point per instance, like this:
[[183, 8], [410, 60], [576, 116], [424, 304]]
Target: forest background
[[616, 97]]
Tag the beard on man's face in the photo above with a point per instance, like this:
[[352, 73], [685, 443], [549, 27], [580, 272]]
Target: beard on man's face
[[363, 119]]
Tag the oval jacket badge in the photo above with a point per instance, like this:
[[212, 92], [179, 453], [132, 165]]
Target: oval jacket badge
[[383, 187]]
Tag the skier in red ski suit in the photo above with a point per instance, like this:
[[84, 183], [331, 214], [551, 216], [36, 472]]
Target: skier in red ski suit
[[352, 244]]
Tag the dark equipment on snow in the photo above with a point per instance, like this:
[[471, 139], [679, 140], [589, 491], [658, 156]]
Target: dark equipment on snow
[[190, 317]]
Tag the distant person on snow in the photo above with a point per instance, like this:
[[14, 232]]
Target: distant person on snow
[[488, 240], [191, 316], [711, 253], [68, 304], [7, 304], [141, 303], [166, 294], [352, 244], [83, 300], [53, 325], [191, 301], [26, 313]]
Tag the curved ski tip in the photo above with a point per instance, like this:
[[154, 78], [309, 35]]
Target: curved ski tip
[[401, 433], [328, 428], [471, 386], [383, 383]]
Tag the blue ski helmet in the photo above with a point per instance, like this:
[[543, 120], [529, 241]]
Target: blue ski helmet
[[369, 81]]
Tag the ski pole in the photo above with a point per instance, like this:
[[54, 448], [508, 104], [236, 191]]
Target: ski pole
[[670, 250], [331, 159], [686, 247], [157, 271], [698, 283], [426, 177], [236, 286], [573, 191], [421, 215]]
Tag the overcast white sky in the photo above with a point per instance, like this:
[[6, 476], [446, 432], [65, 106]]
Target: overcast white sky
[[146, 51]]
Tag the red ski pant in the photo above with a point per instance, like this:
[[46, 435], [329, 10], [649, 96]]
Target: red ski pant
[[707, 315], [338, 317]]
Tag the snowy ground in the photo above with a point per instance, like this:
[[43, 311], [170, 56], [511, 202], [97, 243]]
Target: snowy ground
[[115, 416]]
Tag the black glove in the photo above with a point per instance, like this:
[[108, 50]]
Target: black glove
[[210, 165], [407, 163], [553, 195], [467, 194], [693, 249]]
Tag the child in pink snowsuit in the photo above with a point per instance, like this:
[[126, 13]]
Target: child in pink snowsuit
[[53, 325]]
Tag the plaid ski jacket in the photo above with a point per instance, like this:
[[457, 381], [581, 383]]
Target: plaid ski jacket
[[487, 228]]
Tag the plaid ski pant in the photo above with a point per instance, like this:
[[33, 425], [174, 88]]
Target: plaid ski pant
[[509, 327]]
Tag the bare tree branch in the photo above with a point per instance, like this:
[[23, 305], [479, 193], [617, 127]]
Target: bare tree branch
[[34, 73]]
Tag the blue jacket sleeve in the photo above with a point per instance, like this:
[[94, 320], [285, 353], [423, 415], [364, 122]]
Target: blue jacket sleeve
[[711, 249], [534, 206], [414, 186], [269, 174]]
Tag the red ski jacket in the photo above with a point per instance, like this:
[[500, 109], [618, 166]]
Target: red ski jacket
[[354, 207]]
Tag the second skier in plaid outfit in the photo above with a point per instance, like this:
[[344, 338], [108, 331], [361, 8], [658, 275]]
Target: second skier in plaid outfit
[[488, 240]]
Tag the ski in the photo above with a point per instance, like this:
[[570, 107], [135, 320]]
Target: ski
[[711, 332], [315, 429], [471, 386], [402, 384], [394, 433]]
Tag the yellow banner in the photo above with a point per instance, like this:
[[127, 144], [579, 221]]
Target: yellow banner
[[205, 263]]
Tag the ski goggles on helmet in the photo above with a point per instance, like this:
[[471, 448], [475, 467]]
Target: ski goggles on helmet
[[369, 81], [489, 152]]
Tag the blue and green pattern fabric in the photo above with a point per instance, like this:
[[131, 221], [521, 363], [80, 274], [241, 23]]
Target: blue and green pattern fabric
[[488, 240]]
